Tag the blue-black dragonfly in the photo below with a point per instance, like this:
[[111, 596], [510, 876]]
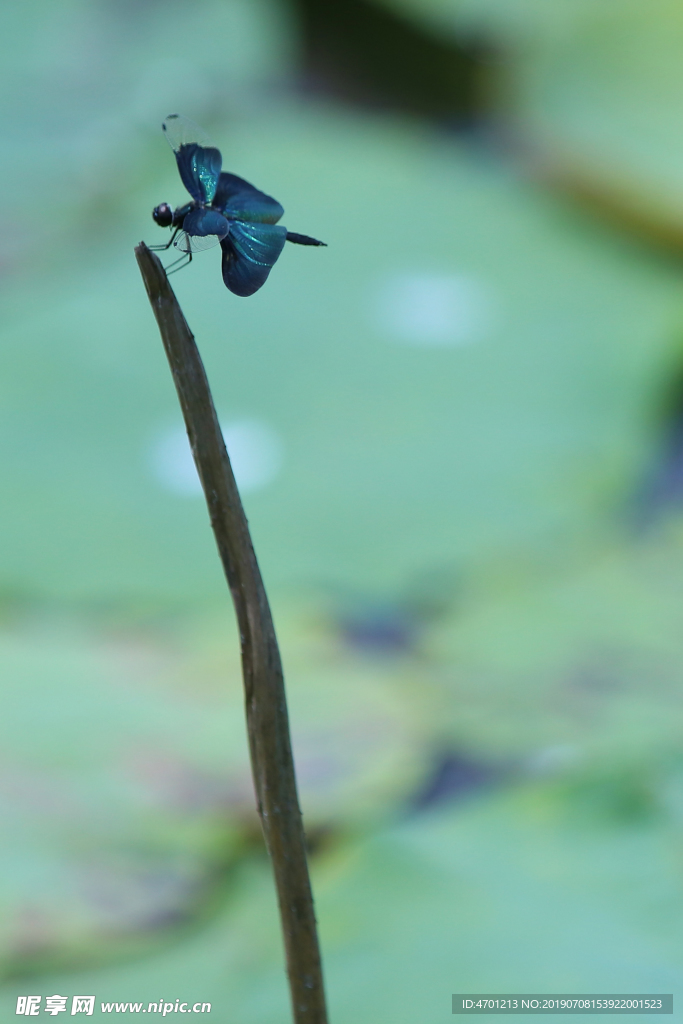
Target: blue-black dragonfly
[[225, 209]]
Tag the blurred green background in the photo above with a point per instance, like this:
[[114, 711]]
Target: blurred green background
[[458, 431]]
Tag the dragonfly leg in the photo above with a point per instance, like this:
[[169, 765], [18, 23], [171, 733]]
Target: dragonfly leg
[[187, 256], [163, 248]]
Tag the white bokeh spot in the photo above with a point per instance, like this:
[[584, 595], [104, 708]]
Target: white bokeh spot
[[425, 308], [254, 448]]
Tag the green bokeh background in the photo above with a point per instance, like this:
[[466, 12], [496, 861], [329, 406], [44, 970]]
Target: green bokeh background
[[481, 629]]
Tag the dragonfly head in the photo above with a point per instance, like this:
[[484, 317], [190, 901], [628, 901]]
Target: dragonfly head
[[163, 215]]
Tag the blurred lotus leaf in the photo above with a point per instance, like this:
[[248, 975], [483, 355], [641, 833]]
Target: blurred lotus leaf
[[125, 786], [594, 89], [465, 900], [582, 668]]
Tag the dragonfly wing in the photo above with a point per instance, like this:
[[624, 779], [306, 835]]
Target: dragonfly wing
[[195, 243], [201, 221], [202, 229], [239, 200], [199, 163], [180, 131], [249, 253], [199, 170]]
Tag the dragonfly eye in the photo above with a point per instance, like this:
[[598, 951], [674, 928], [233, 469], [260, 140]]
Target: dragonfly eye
[[163, 215]]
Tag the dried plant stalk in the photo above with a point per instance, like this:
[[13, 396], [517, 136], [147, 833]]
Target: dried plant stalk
[[266, 706]]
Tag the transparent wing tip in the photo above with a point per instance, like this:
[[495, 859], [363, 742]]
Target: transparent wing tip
[[180, 131]]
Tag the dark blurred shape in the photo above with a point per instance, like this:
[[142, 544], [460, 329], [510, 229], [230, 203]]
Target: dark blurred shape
[[396, 626], [320, 839], [662, 489], [367, 54], [380, 631], [455, 776]]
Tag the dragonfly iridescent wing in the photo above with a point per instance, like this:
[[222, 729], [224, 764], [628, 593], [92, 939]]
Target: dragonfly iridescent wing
[[249, 253], [239, 200], [199, 163]]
